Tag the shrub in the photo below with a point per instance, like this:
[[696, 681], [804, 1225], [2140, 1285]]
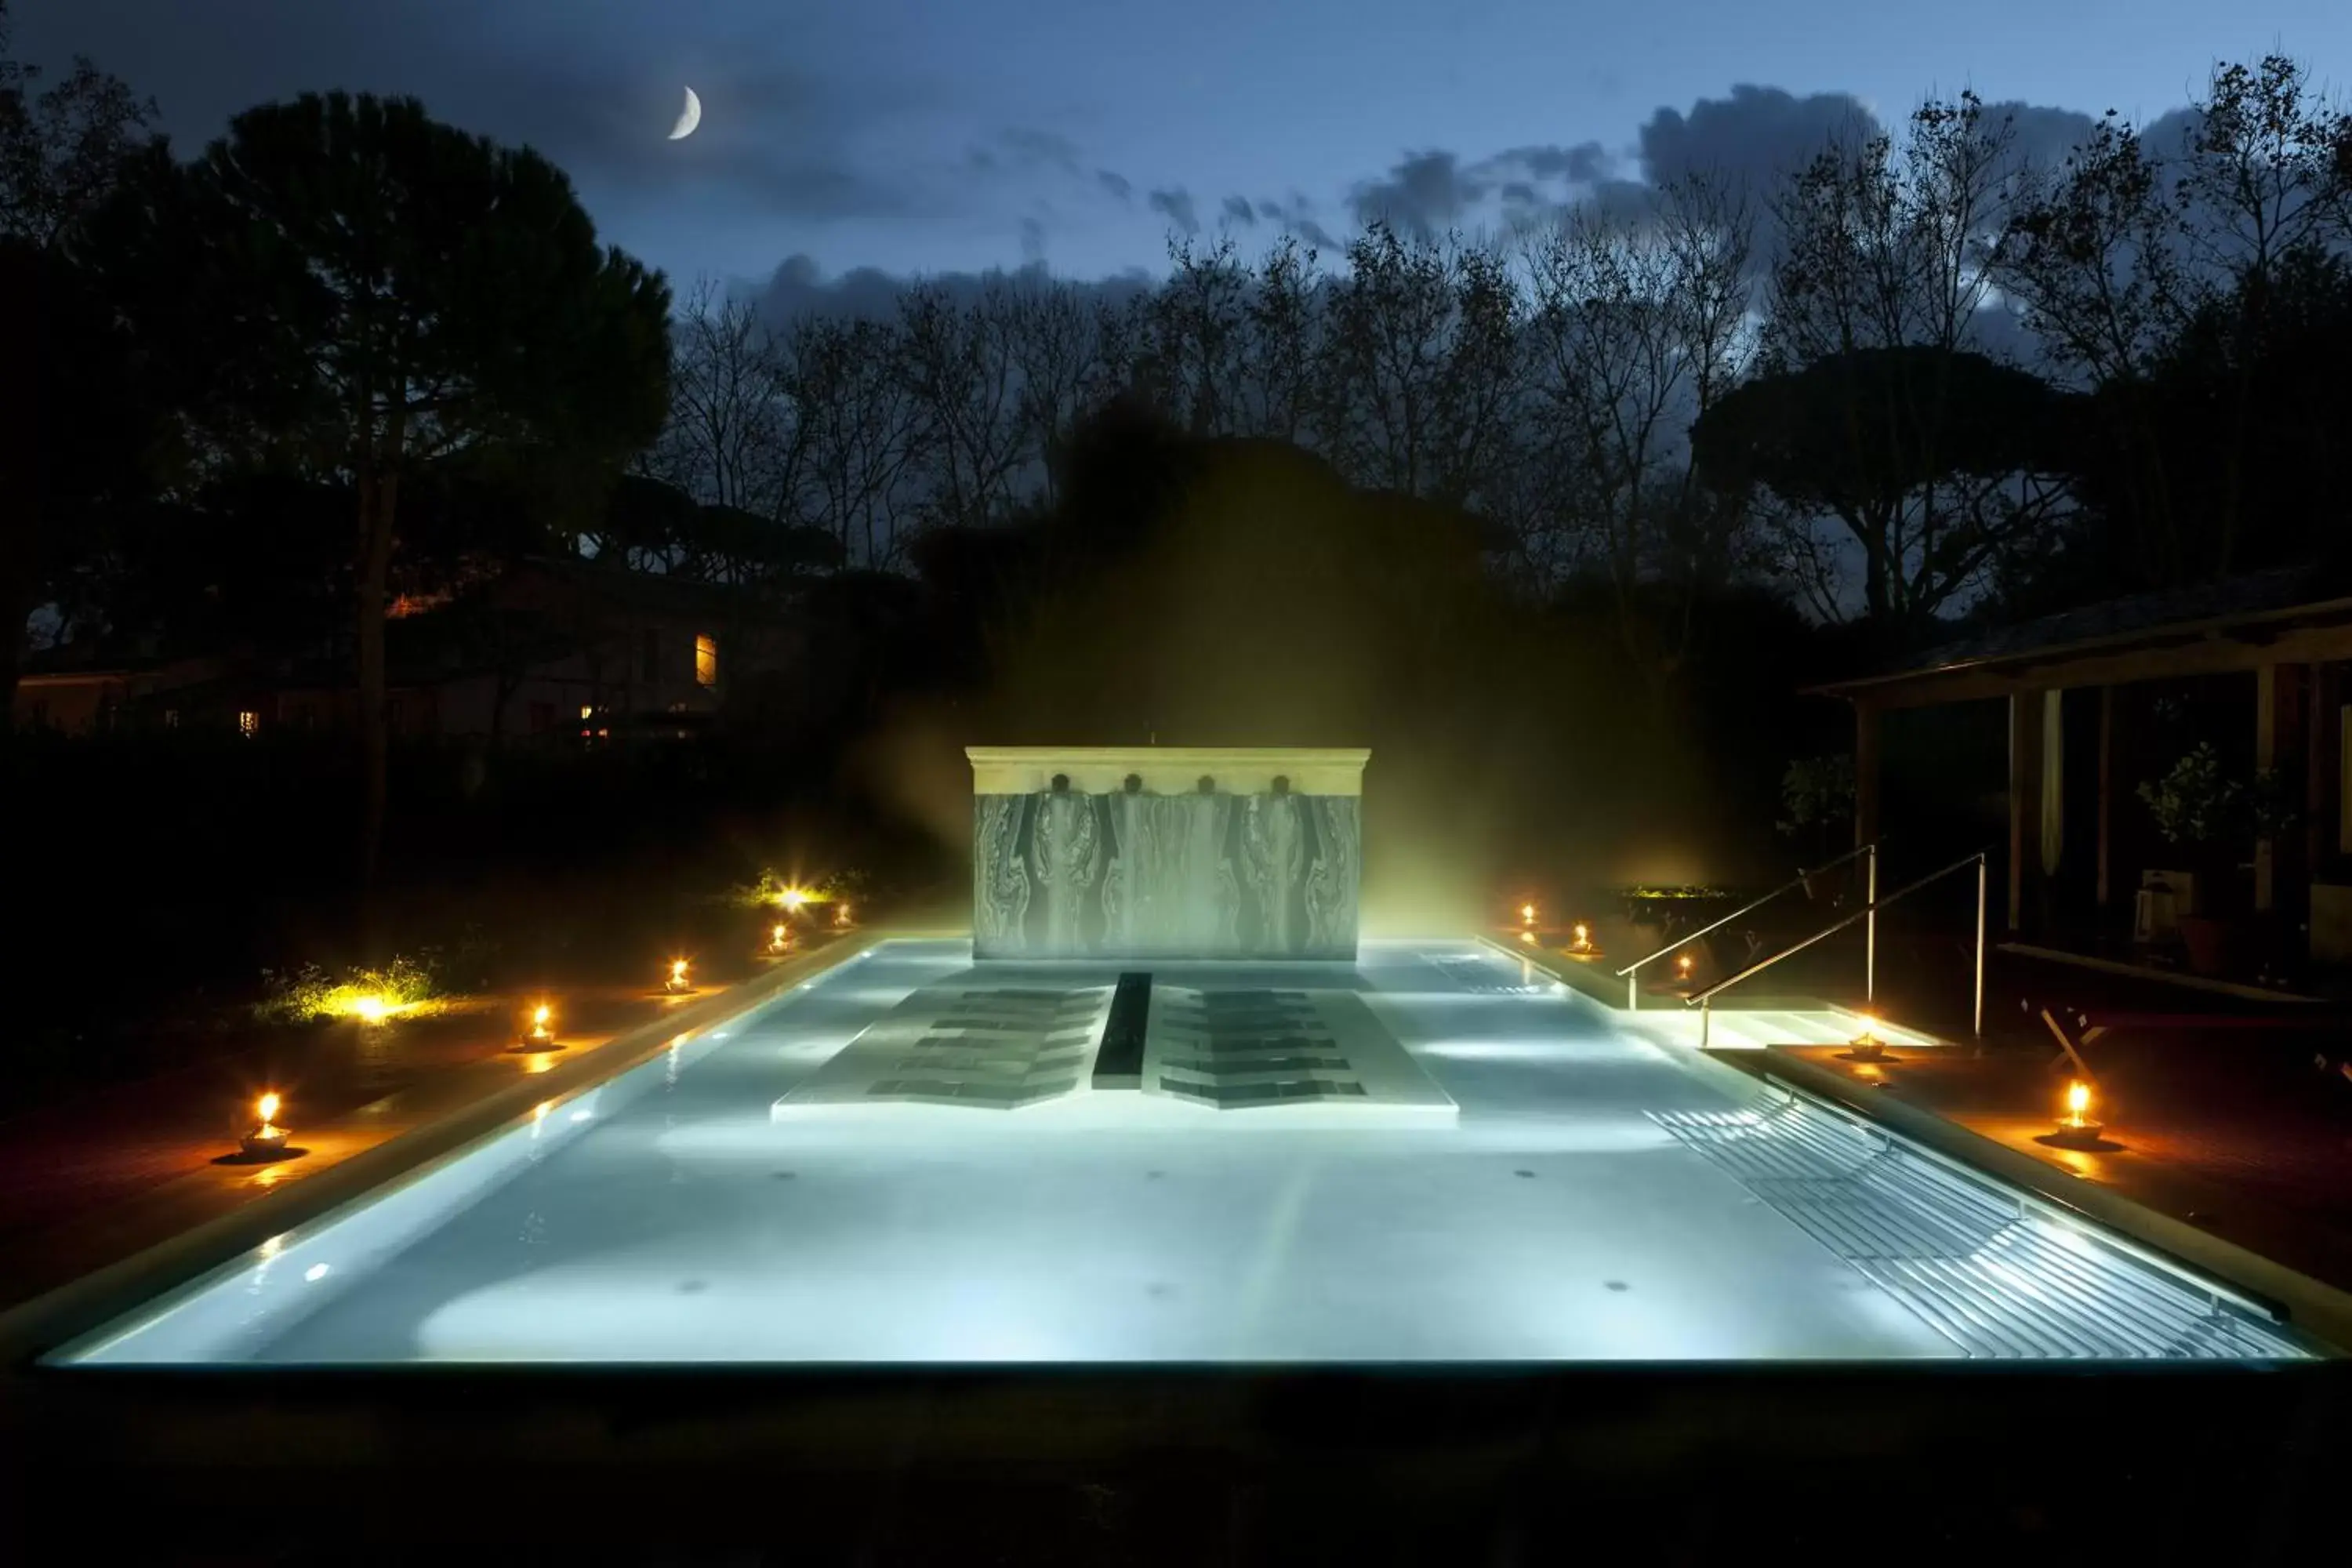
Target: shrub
[[403, 988], [1816, 792]]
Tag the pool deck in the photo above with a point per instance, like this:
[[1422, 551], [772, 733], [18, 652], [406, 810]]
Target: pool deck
[[133, 1184], [1586, 1202]]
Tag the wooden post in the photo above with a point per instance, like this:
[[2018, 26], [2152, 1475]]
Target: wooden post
[[1866, 774], [2107, 798], [2265, 756], [2279, 712], [2323, 839], [2024, 797]]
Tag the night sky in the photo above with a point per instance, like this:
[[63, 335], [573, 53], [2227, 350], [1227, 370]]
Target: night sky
[[954, 135]]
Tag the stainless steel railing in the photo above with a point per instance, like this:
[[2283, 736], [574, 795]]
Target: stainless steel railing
[[1705, 1000], [1630, 973]]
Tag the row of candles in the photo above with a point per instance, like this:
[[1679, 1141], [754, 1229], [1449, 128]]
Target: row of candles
[[268, 1138], [1581, 943]]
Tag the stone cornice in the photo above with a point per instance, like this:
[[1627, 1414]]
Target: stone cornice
[[1168, 770]]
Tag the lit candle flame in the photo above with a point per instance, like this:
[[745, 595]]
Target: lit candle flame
[[540, 1016], [841, 916], [778, 938], [1583, 935], [268, 1105], [1684, 963], [2078, 1100], [677, 972], [1528, 913]]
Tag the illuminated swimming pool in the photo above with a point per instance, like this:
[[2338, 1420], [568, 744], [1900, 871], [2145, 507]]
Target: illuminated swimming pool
[[1430, 1155]]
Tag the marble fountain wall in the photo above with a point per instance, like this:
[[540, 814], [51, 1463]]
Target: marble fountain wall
[[1166, 852]]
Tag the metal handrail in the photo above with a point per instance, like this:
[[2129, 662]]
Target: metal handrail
[[1633, 981], [1705, 1000]]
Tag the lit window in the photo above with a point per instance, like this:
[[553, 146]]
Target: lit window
[[249, 723], [587, 712], [706, 661]]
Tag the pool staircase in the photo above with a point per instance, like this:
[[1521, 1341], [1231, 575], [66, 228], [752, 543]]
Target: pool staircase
[[1794, 1023], [1692, 1015]]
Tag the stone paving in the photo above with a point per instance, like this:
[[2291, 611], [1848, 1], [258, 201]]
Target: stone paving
[[89, 1180]]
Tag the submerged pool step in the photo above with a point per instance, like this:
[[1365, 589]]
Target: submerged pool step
[[1992, 1274], [1753, 1029]]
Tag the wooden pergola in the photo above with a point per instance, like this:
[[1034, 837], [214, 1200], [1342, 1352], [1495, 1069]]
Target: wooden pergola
[[2281, 627]]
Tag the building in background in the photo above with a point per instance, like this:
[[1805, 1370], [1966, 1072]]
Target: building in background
[[550, 652], [2074, 713]]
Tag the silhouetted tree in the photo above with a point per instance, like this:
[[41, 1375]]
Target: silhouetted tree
[[857, 419], [957, 364], [1934, 461], [1071, 357], [1638, 329], [731, 440], [1422, 357], [80, 440], [2165, 279], [1873, 334], [62, 147], [1195, 336], [352, 288]]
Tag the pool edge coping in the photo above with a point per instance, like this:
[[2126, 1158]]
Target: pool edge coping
[[82, 1305], [2316, 1311]]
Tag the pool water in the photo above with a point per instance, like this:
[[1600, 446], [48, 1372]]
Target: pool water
[[1516, 1178]]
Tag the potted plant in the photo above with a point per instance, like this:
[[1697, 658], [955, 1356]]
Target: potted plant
[[1816, 798], [2196, 805]]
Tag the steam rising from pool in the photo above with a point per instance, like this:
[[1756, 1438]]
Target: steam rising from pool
[[1275, 606]]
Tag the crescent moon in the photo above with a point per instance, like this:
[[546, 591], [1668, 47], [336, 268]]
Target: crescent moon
[[687, 119]]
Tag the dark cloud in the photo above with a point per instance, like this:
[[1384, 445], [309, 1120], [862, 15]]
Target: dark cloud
[[1757, 134], [2040, 135], [1430, 192], [1422, 194], [1177, 203], [1587, 163], [1316, 235], [1238, 209], [1025, 158], [799, 288], [2170, 135], [1294, 217], [1027, 148], [1623, 198]]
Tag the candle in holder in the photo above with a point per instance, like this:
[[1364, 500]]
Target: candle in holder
[[268, 1139]]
